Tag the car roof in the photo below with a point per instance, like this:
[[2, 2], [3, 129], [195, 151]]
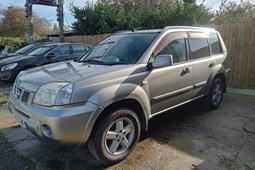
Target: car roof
[[64, 43], [188, 28]]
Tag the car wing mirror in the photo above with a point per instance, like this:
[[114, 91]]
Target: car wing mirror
[[162, 60], [50, 56]]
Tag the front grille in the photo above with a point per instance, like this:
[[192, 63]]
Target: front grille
[[25, 96], [21, 94]]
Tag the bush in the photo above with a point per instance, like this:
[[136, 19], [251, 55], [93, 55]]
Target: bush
[[13, 43]]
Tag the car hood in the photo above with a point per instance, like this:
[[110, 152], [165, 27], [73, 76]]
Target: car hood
[[72, 72], [13, 58]]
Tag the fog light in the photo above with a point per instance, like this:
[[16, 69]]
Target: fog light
[[46, 131]]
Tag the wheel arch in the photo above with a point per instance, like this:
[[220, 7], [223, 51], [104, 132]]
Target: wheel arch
[[218, 72], [131, 104], [134, 98]]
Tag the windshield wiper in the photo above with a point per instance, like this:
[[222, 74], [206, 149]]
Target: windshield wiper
[[117, 63], [94, 61]]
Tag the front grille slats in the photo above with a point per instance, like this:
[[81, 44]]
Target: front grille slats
[[21, 94], [25, 96]]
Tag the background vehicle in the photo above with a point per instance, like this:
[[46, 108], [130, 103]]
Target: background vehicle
[[108, 96], [44, 53], [24, 50]]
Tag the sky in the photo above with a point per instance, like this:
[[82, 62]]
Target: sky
[[50, 12]]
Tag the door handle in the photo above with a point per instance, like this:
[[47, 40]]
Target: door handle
[[186, 70], [212, 64]]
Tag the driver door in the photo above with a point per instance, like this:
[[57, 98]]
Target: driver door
[[171, 85]]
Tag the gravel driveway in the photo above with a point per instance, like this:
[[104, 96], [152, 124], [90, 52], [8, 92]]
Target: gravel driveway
[[188, 137]]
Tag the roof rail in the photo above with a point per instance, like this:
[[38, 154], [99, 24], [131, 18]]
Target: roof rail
[[121, 31], [187, 27]]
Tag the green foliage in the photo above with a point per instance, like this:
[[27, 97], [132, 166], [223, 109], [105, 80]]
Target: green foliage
[[13, 43], [108, 16], [233, 13], [55, 28], [13, 23]]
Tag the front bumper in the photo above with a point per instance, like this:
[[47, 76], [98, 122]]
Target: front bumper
[[68, 124]]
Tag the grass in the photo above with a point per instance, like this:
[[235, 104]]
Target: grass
[[241, 96], [3, 100]]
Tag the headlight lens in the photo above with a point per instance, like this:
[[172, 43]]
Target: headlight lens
[[54, 94], [9, 66]]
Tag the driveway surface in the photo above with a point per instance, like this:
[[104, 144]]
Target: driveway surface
[[188, 137]]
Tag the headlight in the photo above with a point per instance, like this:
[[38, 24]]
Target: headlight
[[9, 66], [54, 94]]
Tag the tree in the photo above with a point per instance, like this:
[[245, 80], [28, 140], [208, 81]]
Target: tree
[[106, 16], [55, 28], [13, 23], [233, 13]]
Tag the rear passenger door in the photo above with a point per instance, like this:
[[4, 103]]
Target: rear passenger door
[[203, 62]]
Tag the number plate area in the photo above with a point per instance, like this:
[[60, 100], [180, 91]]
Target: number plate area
[[20, 120]]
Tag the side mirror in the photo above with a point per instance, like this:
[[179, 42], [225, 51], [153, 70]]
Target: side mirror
[[162, 60], [50, 56]]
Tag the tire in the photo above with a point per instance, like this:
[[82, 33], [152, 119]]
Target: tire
[[215, 94], [115, 136]]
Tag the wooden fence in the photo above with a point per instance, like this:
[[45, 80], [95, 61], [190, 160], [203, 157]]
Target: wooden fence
[[240, 42], [91, 39]]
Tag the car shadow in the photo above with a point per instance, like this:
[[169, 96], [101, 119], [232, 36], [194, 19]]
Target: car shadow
[[190, 129]]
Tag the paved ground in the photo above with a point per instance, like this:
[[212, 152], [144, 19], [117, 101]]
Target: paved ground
[[185, 138]]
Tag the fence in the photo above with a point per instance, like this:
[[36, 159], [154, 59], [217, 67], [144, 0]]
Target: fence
[[92, 39], [240, 42]]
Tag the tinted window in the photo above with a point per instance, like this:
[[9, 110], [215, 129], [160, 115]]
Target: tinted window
[[25, 49], [78, 49], [199, 48], [215, 43], [40, 51], [177, 49], [63, 50]]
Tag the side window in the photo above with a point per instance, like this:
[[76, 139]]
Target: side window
[[61, 51], [199, 48], [177, 49], [78, 49], [215, 44]]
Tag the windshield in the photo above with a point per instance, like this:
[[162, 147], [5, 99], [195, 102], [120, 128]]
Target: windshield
[[120, 49], [25, 49], [41, 50]]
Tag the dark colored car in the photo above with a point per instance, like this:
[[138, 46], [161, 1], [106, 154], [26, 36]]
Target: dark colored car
[[25, 50], [45, 54]]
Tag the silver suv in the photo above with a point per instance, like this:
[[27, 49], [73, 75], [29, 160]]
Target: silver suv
[[107, 97]]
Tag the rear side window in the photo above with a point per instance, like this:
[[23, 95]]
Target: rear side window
[[215, 44], [78, 49], [62, 50], [199, 48]]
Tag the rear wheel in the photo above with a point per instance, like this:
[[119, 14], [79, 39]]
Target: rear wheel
[[115, 136], [215, 95]]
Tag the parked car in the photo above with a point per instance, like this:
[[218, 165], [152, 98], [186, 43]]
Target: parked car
[[44, 54], [108, 96], [24, 50]]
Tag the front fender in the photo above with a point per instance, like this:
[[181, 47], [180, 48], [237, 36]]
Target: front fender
[[113, 94]]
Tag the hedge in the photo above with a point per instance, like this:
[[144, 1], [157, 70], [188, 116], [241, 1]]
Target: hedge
[[13, 43]]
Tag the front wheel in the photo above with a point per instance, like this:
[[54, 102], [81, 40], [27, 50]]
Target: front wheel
[[115, 136], [215, 95]]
